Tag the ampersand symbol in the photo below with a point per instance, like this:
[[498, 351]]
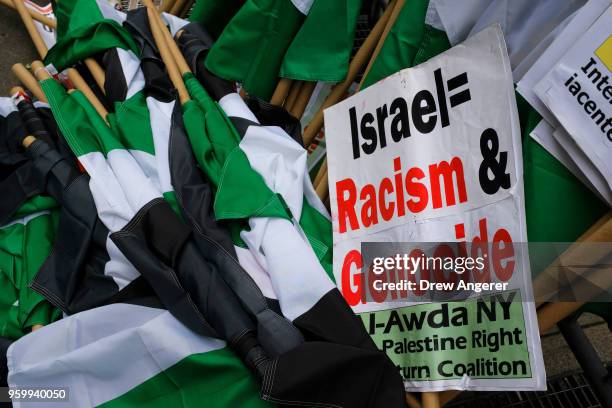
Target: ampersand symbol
[[489, 148]]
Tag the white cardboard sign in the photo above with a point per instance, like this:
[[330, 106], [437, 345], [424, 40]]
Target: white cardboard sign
[[433, 154]]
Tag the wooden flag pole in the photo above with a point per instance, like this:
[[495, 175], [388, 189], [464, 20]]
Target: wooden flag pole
[[27, 79], [359, 60], [40, 72], [166, 6], [281, 91], [412, 402], [323, 186], [166, 55], [175, 53], [430, 400], [597, 281], [320, 173], [96, 70], [26, 18], [177, 7], [548, 278], [186, 8], [26, 142], [49, 22], [302, 100], [293, 94], [80, 84], [16, 90]]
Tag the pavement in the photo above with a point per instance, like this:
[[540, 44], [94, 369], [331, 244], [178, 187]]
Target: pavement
[[558, 359], [16, 47]]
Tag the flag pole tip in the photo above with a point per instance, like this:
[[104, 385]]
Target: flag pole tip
[[15, 90], [28, 140]]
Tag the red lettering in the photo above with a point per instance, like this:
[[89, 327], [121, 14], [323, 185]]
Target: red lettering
[[399, 189], [447, 170], [501, 254], [346, 205], [386, 210], [480, 247], [369, 211], [352, 296], [416, 189]]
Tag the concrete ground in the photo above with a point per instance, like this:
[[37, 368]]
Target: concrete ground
[[17, 47]]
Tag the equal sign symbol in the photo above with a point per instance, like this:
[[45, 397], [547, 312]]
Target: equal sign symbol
[[460, 97]]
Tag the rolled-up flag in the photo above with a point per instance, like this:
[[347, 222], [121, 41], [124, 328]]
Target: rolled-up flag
[[150, 126], [148, 232], [27, 228], [240, 155]]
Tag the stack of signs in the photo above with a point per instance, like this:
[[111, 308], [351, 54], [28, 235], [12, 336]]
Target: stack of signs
[[430, 155], [571, 87]]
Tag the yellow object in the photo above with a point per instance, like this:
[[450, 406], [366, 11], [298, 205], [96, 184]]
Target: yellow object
[[604, 53]]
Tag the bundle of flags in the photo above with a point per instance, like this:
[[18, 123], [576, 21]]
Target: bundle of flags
[[161, 232], [28, 220], [190, 254]]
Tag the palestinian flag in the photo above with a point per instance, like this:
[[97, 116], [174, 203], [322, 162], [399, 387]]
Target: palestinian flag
[[142, 119], [300, 39], [84, 269], [85, 28], [93, 134], [80, 350], [313, 216], [27, 227], [227, 382], [125, 355], [238, 155], [150, 125]]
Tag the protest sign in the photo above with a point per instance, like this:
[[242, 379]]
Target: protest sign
[[578, 91], [432, 154]]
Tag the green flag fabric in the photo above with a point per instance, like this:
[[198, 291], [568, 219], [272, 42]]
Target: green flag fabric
[[410, 42], [215, 14], [322, 47], [28, 222], [266, 39], [252, 46], [125, 355], [25, 243], [83, 30], [216, 144]]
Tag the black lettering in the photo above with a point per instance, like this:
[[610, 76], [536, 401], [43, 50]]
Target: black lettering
[[368, 133], [424, 105]]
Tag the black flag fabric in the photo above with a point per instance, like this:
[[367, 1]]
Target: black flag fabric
[[338, 349]]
